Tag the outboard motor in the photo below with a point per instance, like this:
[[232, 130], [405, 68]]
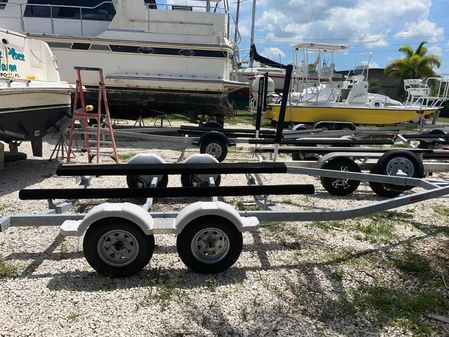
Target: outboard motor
[[255, 89]]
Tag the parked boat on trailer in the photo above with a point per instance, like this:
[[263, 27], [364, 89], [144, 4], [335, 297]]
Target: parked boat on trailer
[[157, 56], [350, 100], [33, 99]]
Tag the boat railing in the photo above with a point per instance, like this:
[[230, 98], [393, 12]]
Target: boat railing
[[193, 5], [76, 12], [10, 80], [84, 13], [432, 92]]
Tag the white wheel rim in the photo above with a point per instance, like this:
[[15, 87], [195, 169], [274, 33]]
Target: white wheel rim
[[214, 150], [341, 183], [117, 248], [210, 245], [400, 166]]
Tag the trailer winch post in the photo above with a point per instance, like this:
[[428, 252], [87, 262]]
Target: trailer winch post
[[260, 104], [280, 125]]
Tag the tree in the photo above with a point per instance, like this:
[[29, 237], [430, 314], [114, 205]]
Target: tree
[[415, 64], [375, 87]]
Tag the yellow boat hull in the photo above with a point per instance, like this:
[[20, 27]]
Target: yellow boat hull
[[356, 115]]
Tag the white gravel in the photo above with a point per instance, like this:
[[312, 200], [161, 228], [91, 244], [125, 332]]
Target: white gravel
[[292, 279]]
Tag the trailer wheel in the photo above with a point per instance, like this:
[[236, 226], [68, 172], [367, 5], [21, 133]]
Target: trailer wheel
[[198, 180], [383, 190], [209, 245], [431, 143], [136, 181], [214, 146], [400, 163], [337, 186], [212, 125], [117, 247]]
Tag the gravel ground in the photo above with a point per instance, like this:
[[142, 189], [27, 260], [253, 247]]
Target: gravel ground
[[380, 275]]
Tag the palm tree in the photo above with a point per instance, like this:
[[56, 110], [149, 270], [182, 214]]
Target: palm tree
[[415, 64]]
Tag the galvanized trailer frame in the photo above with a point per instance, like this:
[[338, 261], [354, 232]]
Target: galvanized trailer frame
[[200, 224]]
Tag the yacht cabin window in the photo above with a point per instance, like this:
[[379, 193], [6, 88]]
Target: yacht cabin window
[[151, 4], [70, 9], [3, 4]]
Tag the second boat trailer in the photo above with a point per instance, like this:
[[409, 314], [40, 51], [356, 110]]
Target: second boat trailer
[[119, 237]]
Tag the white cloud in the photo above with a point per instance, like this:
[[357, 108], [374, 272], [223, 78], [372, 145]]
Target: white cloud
[[372, 64], [367, 23], [435, 50], [273, 53]]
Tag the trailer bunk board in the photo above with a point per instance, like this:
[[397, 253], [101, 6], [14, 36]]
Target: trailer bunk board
[[164, 192], [170, 169]]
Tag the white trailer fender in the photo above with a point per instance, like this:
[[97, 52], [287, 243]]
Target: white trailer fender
[[215, 208], [125, 210]]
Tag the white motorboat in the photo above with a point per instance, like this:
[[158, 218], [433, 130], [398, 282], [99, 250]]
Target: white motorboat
[[156, 55], [33, 100]]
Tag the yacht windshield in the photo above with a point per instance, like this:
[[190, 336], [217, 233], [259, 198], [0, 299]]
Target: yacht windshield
[[99, 10]]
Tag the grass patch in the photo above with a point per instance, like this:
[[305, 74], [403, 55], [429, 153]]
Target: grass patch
[[399, 307], [124, 157], [381, 226], [328, 226], [414, 264], [162, 288], [7, 269], [246, 117], [441, 210]]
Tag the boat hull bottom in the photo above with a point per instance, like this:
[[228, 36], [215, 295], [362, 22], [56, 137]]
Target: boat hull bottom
[[32, 124], [134, 104]]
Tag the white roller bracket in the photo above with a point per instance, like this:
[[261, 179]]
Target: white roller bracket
[[215, 208], [147, 158], [126, 210], [202, 158]]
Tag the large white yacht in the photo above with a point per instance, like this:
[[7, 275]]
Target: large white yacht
[[33, 99], [170, 56]]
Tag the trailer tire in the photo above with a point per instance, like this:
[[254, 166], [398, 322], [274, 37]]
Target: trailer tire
[[383, 190], [209, 245], [340, 187], [212, 125], [431, 143], [130, 253], [215, 146], [407, 162], [194, 180]]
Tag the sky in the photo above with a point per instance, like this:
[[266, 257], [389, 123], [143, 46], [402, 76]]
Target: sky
[[378, 27]]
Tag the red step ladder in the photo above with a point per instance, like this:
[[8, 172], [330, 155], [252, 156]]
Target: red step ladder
[[83, 115]]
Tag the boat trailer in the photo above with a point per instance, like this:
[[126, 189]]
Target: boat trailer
[[119, 237]]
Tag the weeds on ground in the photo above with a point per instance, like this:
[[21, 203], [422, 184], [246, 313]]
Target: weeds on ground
[[380, 227], [279, 229], [399, 307], [414, 264], [328, 226], [7, 269], [124, 157], [441, 210], [246, 117], [161, 289]]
